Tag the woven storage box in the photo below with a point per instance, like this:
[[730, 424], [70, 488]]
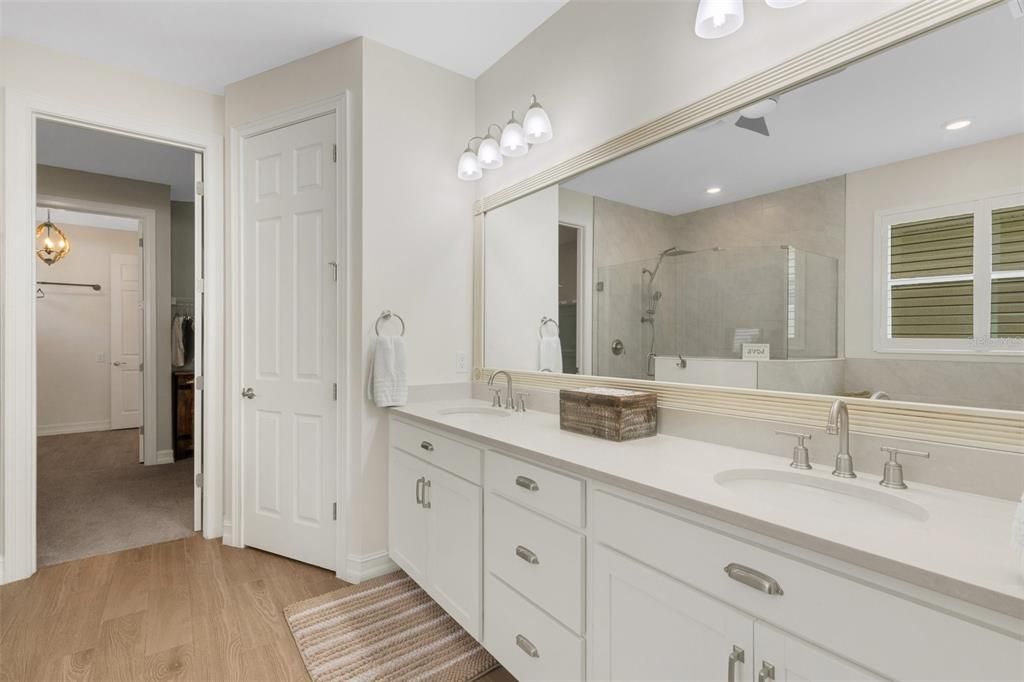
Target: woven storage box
[[610, 413]]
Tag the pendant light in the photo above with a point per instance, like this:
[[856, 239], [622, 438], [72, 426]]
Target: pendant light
[[783, 4], [536, 123], [489, 151], [718, 18], [513, 139], [51, 242], [469, 164]]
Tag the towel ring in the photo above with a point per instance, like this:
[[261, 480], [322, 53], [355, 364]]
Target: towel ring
[[384, 317], [543, 321]]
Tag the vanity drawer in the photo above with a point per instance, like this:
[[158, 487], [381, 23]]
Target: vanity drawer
[[538, 557], [447, 453], [557, 495], [896, 637], [527, 641]]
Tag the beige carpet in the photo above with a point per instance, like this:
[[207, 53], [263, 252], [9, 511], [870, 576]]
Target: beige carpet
[[384, 629], [94, 497]]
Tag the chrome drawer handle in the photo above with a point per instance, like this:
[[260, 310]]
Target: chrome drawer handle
[[737, 656], [527, 555], [419, 490], [766, 673], [426, 493], [528, 483], [427, 445], [753, 578], [527, 646]]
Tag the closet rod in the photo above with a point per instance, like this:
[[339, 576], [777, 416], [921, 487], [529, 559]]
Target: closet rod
[[94, 287]]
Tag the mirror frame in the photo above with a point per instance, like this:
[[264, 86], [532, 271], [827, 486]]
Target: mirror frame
[[1001, 430]]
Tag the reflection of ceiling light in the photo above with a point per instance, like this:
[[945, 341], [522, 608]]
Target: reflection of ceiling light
[[713, 190], [958, 125], [759, 109]]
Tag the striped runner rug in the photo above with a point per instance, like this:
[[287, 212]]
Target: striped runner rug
[[384, 629]]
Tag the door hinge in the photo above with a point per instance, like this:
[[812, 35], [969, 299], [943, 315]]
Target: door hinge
[[200, 187], [140, 366], [335, 392], [335, 511], [201, 283], [199, 480], [335, 154], [200, 383], [140, 242], [142, 430]]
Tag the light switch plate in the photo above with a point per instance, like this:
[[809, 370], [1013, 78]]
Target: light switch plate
[[461, 362]]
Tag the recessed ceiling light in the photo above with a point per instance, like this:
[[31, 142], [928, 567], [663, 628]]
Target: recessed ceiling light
[[713, 190], [958, 125]]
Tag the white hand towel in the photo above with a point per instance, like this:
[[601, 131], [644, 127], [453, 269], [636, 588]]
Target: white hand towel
[[1017, 534], [177, 343], [550, 354], [389, 385]]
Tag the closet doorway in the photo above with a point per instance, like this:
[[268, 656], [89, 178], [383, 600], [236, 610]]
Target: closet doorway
[[118, 342]]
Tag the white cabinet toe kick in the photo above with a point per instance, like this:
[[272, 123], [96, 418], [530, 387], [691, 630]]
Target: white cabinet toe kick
[[564, 578]]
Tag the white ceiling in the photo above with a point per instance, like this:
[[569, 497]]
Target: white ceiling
[[95, 151], [887, 108], [208, 45]]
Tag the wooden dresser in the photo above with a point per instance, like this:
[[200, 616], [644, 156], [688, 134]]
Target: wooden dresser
[[184, 395]]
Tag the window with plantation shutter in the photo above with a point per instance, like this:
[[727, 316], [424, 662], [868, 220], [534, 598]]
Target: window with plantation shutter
[[953, 277]]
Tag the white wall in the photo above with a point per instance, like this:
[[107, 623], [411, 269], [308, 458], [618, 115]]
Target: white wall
[[73, 330], [602, 68], [521, 266], [957, 175], [70, 184]]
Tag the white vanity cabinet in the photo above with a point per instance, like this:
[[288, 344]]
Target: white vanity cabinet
[[435, 519]]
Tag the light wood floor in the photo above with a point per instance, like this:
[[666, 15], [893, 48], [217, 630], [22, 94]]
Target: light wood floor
[[189, 609]]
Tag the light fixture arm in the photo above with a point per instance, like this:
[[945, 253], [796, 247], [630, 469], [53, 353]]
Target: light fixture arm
[[494, 125], [469, 145]]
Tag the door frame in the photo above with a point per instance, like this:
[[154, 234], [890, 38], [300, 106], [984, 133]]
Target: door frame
[[147, 230], [234, 531], [18, 319]]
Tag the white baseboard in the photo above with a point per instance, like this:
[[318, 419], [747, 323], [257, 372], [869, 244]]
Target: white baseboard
[[165, 456], [2, 571], [228, 538], [360, 568], [72, 427]]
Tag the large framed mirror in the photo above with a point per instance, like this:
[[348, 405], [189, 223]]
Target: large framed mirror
[[860, 234]]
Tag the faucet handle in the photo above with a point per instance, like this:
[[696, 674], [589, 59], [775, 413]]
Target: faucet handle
[[496, 400], [801, 456], [521, 401], [892, 471]]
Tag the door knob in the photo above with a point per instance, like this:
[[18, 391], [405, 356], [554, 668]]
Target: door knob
[[248, 393], [117, 363]]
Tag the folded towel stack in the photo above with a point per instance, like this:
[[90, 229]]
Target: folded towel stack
[[388, 385]]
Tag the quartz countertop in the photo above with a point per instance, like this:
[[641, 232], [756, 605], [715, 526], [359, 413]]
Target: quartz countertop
[[961, 550]]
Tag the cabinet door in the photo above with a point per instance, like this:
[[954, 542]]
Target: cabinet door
[[454, 547], [648, 626], [784, 658], [407, 518]]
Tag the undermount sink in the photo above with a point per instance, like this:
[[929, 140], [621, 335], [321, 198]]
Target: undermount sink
[[791, 489], [484, 411]]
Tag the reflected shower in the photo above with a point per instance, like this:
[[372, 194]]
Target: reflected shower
[[652, 296]]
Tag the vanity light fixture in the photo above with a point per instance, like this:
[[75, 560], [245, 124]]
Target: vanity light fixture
[[959, 124], [469, 165], [713, 190], [513, 138], [783, 4], [718, 18], [536, 123], [489, 151]]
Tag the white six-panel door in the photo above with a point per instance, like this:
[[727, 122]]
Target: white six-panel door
[[289, 340], [125, 342]]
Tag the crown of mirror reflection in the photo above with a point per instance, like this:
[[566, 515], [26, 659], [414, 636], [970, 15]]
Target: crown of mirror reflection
[[513, 140], [720, 18]]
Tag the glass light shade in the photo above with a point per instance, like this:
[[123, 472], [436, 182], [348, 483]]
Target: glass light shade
[[536, 124], [469, 166], [51, 243], [513, 139], [489, 154], [718, 18], [783, 4]]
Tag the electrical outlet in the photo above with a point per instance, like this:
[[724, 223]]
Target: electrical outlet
[[461, 362]]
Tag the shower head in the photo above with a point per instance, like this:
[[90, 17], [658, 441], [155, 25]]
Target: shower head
[[671, 251]]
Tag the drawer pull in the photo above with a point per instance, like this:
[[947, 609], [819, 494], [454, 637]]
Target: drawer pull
[[737, 656], [527, 555], [419, 490], [753, 578], [427, 445], [766, 673], [426, 494], [528, 483], [527, 646]]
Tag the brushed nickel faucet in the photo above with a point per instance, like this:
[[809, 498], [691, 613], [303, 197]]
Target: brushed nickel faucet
[[496, 402], [839, 423]]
